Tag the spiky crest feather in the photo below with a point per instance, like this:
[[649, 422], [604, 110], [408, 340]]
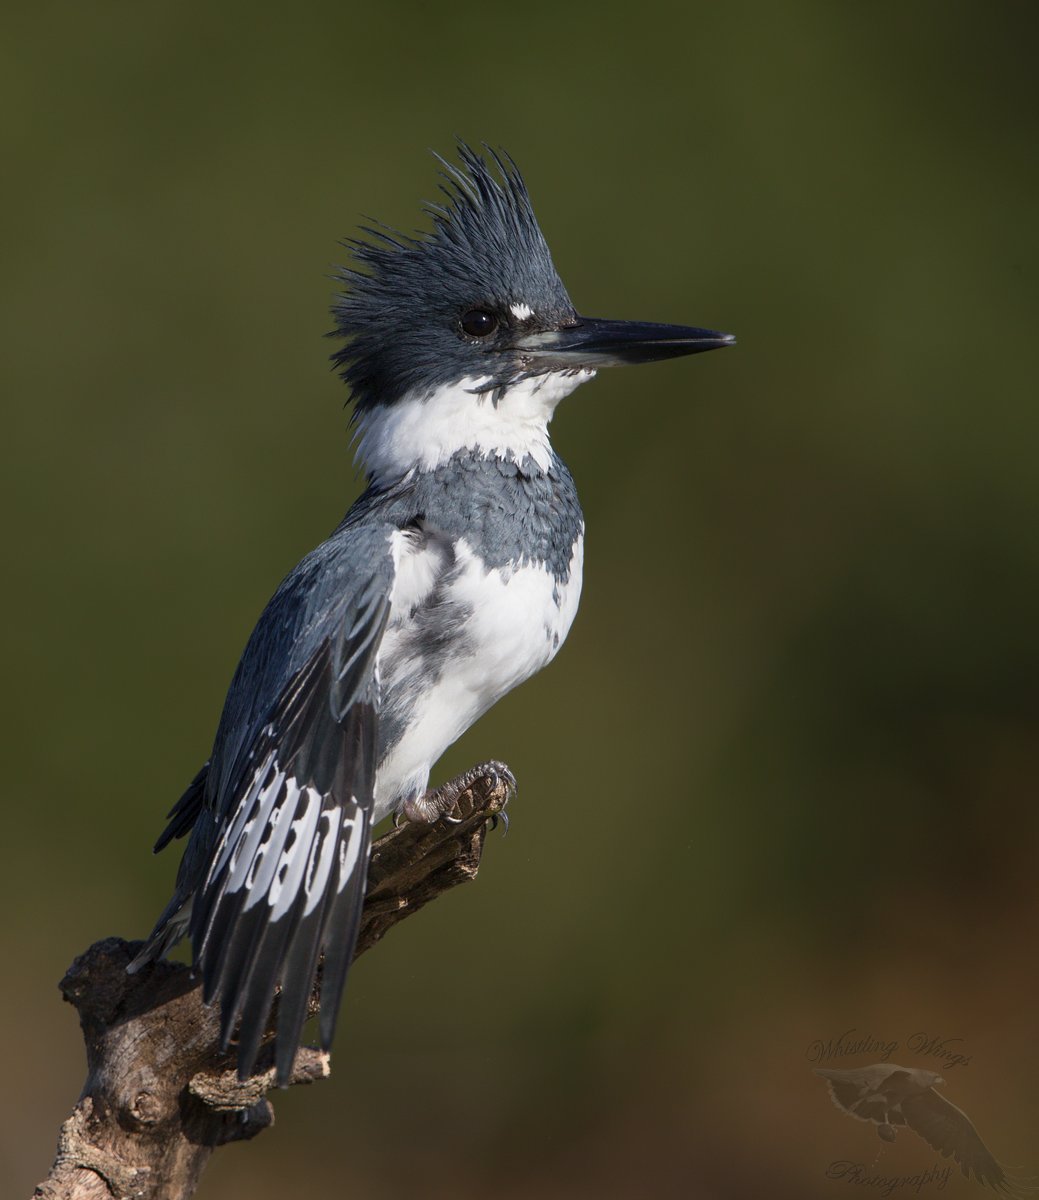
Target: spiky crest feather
[[405, 295]]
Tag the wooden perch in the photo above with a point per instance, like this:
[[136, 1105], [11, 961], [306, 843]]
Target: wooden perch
[[159, 1095]]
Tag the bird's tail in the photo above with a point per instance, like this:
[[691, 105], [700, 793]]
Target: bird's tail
[[169, 929]]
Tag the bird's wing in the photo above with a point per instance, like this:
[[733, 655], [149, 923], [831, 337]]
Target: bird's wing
[[844, 1092], [183, 815], [286, 874], [854, 1091], [948, 1130]]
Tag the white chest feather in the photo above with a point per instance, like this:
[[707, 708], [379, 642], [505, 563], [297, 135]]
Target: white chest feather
[[508, 624]]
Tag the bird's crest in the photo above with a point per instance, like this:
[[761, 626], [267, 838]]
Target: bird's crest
[[404, 295]]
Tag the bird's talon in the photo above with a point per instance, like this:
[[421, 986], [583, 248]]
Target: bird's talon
[[446, 802]]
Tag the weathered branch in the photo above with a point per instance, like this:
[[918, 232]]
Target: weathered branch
[[160, 1096]]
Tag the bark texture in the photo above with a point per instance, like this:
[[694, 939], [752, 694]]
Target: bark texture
[[160, 1096]]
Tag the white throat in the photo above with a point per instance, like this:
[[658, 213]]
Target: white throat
[[424, 431]]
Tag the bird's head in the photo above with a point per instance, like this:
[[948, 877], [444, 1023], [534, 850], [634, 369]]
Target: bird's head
[[469, 327]]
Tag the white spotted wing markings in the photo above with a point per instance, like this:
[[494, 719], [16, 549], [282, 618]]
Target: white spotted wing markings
[[282, 840]]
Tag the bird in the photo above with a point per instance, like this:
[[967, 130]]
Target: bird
[[890, 1096], [454, 577]]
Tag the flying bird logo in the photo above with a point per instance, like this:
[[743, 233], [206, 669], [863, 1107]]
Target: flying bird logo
[[893, 1097]]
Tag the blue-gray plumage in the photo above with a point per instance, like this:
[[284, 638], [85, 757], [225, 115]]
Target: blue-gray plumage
[[452, 579]]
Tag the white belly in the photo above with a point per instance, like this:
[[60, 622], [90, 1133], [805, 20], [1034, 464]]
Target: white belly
[[518, 617]]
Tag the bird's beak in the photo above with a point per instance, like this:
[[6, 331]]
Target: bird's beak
[[592, 342]]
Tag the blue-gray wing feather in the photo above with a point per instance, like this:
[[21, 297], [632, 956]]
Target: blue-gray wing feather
[[275, 869]]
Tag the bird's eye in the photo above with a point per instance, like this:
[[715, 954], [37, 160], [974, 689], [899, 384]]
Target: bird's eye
[[478, 322]]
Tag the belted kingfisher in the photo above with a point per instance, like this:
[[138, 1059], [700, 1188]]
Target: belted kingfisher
[[453, 578]]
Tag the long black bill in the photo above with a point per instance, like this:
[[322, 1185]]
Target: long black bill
[[596, 343]]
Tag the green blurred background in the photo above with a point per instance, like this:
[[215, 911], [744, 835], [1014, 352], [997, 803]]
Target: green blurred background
[[780, 783]]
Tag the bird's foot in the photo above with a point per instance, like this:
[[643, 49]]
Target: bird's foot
[[453, 801]]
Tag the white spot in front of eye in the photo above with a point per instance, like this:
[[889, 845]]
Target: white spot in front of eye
[[522, 312]]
